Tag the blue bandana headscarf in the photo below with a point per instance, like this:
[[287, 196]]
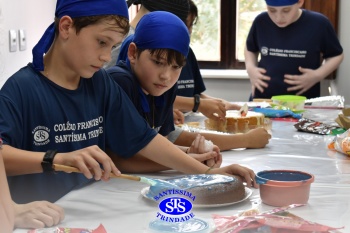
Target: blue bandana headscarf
[[162, 30], [74, 9], [281, 2]]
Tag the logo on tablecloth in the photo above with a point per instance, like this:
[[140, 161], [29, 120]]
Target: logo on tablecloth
[[175, 205]]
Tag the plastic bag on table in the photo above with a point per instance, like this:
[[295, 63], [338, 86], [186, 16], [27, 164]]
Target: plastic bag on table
[[277, 113], [99, 229], [277, 221], [311, 126], [341, 143]]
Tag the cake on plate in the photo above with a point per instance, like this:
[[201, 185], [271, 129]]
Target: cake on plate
[[236, 123], [208, 189]]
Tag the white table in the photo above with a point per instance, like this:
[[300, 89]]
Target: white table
[[118, 205]]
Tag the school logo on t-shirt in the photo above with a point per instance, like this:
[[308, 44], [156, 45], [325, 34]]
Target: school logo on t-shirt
[[264, 51], [41, 135]]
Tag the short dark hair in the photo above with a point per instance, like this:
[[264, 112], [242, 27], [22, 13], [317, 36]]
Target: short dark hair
[[193, 11], [81, 22], [171, 55]]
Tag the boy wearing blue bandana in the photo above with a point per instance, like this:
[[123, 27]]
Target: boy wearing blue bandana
[[177, 7], [157, 107], [64, 109], [298, 48], [156, 54]]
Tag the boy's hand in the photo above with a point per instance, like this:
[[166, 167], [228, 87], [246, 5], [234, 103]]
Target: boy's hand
[[247, 174], [302, 82], [211, 159], [199, 145], [200, 148], [257, 138], [258, 79], [38, 214], [212, 108], [88, 161], [179, 117]]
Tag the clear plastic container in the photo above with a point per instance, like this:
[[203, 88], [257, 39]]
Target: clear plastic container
[[293, 102], [194, 225]]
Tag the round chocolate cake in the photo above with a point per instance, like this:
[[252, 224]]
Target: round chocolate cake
[[211, 189]]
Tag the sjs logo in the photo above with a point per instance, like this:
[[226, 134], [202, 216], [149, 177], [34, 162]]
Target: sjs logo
[[175, 206], [41, 135]]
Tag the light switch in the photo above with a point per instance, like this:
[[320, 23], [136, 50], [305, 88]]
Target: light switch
[[13, 40], [22, 39]]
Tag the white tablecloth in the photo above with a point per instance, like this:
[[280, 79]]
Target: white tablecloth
[[118, 205]]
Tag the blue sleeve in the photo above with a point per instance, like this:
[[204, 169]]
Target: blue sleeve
[[331, 46], [251, 42], [127, 132]]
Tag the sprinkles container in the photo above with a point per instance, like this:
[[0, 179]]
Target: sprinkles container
[[284, 187]]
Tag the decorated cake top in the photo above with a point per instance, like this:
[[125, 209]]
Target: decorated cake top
[[191, 181], [237, 114]]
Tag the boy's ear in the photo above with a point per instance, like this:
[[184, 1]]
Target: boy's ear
[[65, 26], [301, 3], [132, 52]]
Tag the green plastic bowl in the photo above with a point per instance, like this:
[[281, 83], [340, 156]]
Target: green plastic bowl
[[293, 102]]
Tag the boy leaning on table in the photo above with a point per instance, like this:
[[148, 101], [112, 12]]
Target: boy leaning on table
[[150, 70], [64, 109], [157, 54]]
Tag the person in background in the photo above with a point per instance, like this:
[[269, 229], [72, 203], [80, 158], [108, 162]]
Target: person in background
[[150, 81], [179, 8], [37, 214], [191, 87], [156, 54], [297, 48], [256, 138], [63, 108]]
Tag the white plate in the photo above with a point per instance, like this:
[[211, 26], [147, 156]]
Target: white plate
[[248, 193]]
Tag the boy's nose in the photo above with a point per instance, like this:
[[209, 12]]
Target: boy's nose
[[106, 56], [166, 73]]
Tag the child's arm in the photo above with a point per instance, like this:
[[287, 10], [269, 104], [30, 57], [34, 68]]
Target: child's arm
[[310, 77], [87, 160], [6, 207], [255, 138], [228, 105], [211, 108], [256, 74], [162, 151]]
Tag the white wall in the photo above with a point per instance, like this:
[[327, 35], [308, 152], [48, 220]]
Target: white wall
[[343, 78], [34, 16]]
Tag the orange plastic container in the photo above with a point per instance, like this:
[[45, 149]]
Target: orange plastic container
[[284, 187]]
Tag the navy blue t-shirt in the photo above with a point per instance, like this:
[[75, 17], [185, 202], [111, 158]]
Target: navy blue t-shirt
[[190, 81], [282, 50], [157, 110], [38, 115]]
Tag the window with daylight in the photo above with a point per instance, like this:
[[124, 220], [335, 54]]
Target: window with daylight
[[218, 38]]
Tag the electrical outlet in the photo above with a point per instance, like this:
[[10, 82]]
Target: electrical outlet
[[13, 40], [22, 39]]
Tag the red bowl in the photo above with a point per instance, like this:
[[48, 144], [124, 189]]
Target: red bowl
[[284, 187]]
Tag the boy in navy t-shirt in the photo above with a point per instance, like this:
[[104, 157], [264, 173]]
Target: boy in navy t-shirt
[[64, 109], [297, 48]]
